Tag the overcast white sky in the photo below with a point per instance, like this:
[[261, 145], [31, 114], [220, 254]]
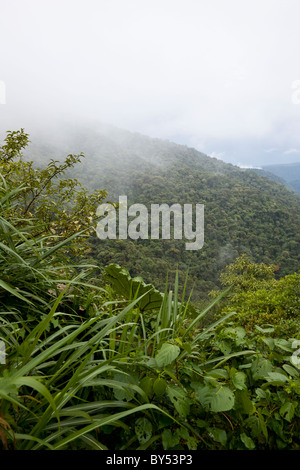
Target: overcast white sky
[[217, 75]]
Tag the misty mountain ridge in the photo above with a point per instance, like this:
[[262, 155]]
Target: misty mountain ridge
[[110, 145], [111, 151], [287, 174], [114, 156], [245, 213]]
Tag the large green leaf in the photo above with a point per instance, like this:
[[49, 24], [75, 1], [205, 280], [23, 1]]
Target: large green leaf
[[159, 386], [239, 380], [169, 439], [217, 399], [260, 368], [179, 399], [143, 429], [130, 287], [219, 435], [247, 441], [167, 354], [288, 410]]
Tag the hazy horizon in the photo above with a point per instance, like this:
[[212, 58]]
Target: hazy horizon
[[221, 77]]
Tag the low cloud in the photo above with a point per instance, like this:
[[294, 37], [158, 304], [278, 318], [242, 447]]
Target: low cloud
[[249, 167], [206, 71], [291, 151]]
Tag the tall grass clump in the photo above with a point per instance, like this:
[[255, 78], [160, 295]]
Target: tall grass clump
[[57, 344]]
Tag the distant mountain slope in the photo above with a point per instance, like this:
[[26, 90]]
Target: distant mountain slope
[[244, 212], [268, 174], [288, 173]]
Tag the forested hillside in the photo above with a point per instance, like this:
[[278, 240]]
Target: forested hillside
[[95, 359], [287, 174], [245, 213]]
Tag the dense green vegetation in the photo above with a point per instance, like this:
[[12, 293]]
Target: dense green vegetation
[[245, 213], [111, 362], [261, 300], [241, 216]]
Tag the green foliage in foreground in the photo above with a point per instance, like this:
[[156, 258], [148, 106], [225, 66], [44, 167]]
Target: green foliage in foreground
[[86, 368], [122, 366], [260, 300], [60, 204]]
